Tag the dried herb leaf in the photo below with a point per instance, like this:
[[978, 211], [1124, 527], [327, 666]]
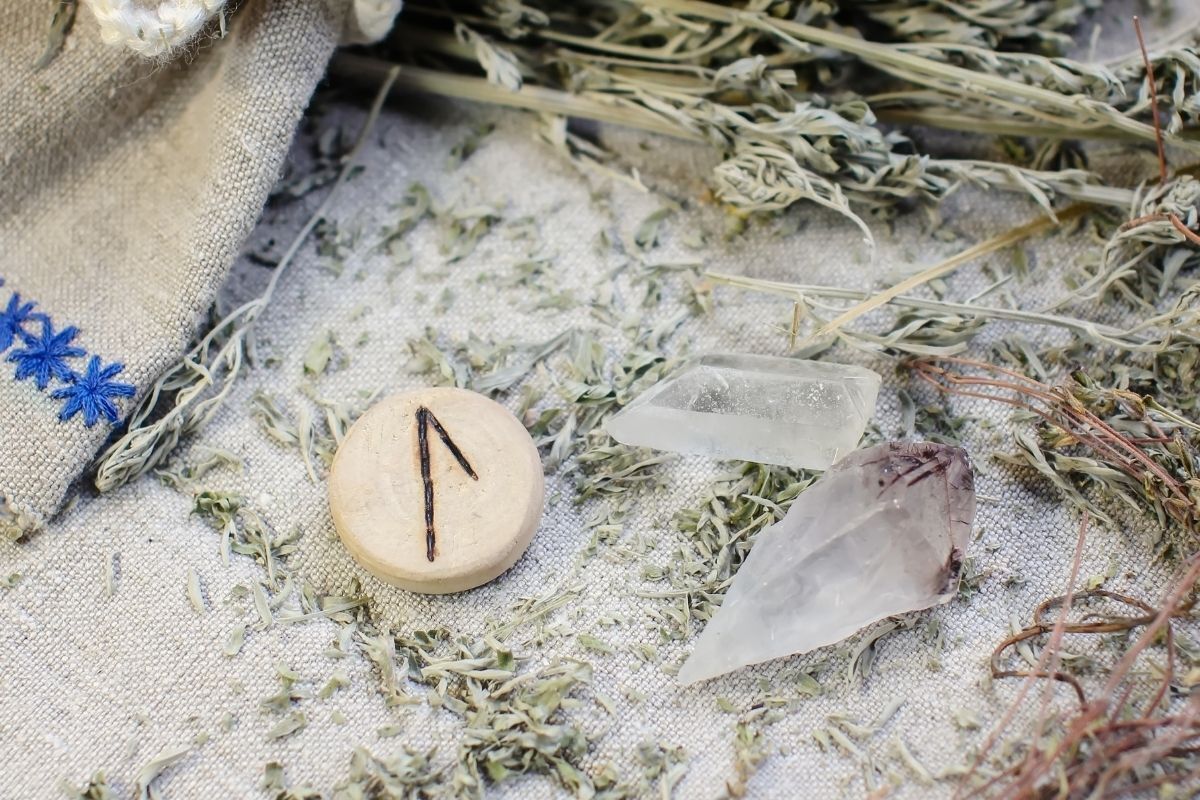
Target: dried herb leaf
[[195, 596], [60, 26], [235, 640], [289, 725], [155, 767]]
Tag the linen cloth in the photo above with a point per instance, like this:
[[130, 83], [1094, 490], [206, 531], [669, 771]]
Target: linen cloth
[[90, 681], [108, 229], [127, 187]]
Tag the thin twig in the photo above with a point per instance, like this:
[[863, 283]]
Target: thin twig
[[1187, 232], [1105, 334], [1158, 137], [367, 71], [1038, 670], [607, 108], [1064, 410], [1006, 239]]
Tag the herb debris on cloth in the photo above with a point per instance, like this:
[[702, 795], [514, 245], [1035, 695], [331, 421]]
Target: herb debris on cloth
[[274, 661]]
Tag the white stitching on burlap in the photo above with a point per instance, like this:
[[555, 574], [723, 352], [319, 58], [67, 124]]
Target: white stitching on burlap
[[153, 31]]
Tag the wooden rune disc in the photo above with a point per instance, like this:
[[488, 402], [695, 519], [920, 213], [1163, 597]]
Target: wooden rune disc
[[437, 490]]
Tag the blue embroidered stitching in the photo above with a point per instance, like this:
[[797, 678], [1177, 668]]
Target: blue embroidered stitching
[[13, 319], [91, 393], [44, 358]]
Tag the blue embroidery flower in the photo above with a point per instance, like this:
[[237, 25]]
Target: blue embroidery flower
[[45, 357], [92, 393], [13, 320]]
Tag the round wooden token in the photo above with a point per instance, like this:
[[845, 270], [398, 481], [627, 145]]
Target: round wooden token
[[437, 490]]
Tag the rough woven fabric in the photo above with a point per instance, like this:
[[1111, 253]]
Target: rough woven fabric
[[90, 681], [127, 187]]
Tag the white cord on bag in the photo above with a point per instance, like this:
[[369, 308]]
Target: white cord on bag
[[153, 31], [373, 19]]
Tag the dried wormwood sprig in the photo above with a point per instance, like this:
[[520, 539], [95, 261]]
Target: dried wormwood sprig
[[939, 327], [200, 383], [720, 531], [514, 720], [747, 80], [1141, 452], [1144, 256]]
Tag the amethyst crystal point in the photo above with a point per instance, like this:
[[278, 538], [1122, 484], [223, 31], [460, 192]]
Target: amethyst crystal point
[[756, 408], [883, 532]]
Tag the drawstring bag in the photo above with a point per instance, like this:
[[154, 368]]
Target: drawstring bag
[[138, 143]]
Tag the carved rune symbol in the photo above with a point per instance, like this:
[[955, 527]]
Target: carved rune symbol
[[425, 418]]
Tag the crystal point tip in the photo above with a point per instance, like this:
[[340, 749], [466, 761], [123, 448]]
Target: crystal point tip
[[883, 532], [766, 409]]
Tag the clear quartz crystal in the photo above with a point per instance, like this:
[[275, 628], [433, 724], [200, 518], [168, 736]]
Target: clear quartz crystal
[[756, 408], [883, 532]]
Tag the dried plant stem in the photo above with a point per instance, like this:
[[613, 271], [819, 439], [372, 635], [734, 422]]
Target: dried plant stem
[[1184, 230], [1060, 625], [1007, 239], [1084, 726], [1023, 778], [1125, 339], [1039, 669], [1151, 84], [1105, 748], [368, 71], [956, 120], [1172, 606], [215, 361], [1109, 442], [1011, 82]]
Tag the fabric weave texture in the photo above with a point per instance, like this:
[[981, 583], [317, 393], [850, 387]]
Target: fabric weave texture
[[113, 230], [92, 681]]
